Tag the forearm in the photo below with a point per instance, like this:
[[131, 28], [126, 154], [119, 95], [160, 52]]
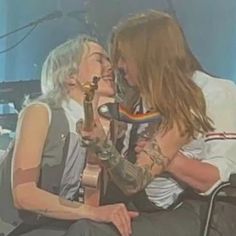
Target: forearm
[[47, 204], [130, 178], [198, 175]]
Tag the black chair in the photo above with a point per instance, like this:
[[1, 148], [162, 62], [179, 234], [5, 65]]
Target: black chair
[[213, 198]]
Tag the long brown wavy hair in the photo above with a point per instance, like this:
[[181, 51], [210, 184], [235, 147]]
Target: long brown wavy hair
[[165, 65]]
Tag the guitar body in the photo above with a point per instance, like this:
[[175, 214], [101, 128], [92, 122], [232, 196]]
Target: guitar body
[[92, 184]]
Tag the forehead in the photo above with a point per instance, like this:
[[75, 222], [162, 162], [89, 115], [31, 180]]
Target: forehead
[[94, 49]]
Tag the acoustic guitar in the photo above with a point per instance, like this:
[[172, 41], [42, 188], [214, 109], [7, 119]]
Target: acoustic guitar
[[91, 179]]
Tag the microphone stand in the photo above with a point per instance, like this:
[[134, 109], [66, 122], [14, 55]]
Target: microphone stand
[[33, 24], [51, 16]]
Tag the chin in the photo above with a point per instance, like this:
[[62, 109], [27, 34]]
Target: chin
[[108, 93]]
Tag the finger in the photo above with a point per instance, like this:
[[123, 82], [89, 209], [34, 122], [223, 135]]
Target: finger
[[87, 135], [125, 219], [133, 214], [140, 159], [98, 124], [97, 121], [141, 142], [140, 145], [120, 225]]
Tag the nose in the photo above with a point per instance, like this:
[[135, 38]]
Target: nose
[[107, 70], [107, 66]]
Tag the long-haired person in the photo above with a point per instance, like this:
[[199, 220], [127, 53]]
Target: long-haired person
[[40, 183], [193, 146]]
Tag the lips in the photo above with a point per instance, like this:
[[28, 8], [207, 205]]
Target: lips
[[108, 77]]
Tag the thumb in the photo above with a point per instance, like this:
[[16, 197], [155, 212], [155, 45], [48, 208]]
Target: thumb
[[142, 142]]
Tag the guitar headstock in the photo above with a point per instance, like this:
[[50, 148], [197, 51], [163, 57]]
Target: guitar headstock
[[89, 88], [89, 92]]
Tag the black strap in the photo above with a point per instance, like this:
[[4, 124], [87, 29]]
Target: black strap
[[131, 155]]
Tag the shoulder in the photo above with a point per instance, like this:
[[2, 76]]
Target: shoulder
[[38, 110], [220, 97], [36, 114], [217, 91], [212, 85]]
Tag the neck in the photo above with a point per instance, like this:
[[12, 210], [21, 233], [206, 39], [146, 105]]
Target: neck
[[78, 96], [105, 123]]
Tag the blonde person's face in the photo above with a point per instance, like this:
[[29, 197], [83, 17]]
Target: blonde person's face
[[95, 62]]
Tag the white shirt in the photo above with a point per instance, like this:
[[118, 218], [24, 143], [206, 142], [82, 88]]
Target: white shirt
[[74, 112], [217, 148]]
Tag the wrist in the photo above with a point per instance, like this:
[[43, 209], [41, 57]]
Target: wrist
[[87, 212], [108, 155]]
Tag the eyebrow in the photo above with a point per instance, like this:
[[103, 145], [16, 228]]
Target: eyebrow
[[96, 53], [100, 54]]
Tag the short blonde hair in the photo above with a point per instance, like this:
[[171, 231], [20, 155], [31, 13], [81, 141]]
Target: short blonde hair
[[61, 62]]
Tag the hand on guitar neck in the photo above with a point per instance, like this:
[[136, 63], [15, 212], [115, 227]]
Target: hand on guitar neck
[[91, 129], [92, 177]]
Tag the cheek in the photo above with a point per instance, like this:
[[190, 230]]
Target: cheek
[[106, 88], [86, 72], [83, 74]]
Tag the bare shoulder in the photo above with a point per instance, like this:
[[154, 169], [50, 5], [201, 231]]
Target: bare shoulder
[[34, 118], [39, 107], [31, 134], [36, 111]]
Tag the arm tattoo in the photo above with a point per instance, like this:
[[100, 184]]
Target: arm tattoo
[[129, 177], [153, 151]]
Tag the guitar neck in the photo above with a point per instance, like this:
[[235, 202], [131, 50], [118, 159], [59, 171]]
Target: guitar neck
[[88, 115]]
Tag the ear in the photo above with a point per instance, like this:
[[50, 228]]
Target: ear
[[71, 80]]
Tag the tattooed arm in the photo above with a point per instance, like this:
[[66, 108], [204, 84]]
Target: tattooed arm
[[152, 159], [132, 178]]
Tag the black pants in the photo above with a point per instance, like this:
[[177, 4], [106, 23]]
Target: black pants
[[183, 221]]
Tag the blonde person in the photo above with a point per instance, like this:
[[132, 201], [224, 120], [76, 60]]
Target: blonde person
[[193, 147], [39, 185]]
